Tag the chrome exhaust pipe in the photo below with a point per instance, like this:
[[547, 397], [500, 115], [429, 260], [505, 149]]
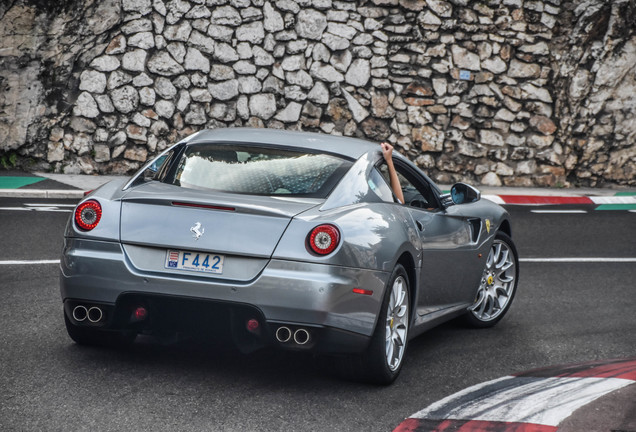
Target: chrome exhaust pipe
[[283, 334], [301, 336], [95, 314], [80, 313]]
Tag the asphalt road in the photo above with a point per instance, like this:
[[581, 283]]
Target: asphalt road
[[564, 312]]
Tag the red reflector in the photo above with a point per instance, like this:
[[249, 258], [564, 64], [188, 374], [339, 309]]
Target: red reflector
[[252, 325], [207, 206], [141, 313], [362, 291]]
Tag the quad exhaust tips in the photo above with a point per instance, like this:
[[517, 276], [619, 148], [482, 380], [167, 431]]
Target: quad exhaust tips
[[93, 314], [300, 336]]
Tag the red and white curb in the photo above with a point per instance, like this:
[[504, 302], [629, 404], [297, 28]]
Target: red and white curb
[[535, 401], [555, 200]]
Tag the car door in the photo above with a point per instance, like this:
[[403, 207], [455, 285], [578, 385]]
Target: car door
[[447, 239]]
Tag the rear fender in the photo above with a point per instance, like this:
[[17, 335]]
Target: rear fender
[[108, 196], [373, 236]]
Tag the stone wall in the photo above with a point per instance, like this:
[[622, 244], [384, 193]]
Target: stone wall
[[494, 92]]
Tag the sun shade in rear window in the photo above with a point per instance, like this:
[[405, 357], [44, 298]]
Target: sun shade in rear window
[[254, 170]]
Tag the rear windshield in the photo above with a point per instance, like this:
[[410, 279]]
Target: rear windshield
[[258, 170]]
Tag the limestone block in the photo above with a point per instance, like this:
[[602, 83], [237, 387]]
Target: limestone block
[[224, 90], [164, 108], [225, 53], [262, 105], [163, 64], [194, 60], [144, 40], [134, 60], [359, 73], [464, 59], [290, 114], [125, 99], [104, 103], [226, 15], [105, 63], [519, 69], [85, 106], [249, 85], [491, 138], [92, 81], [272, 19], [196, 115], [311, 24], [252, 32]]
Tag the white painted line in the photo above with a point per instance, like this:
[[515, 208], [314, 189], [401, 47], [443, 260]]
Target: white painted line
[[41, 193], [523, 399], [494, 198], [578, 260], [50, 205], [38, 209], [29, 262], [629, 199], [558, 211]]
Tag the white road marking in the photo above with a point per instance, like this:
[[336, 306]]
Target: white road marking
[[535, 260], [545, 401], [494, 198], [62, 208], [579, 260], [51, 205], [629, 199], [558, 211], [29, 262]]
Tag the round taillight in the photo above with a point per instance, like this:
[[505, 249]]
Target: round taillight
[[324, 239], [88, 214]]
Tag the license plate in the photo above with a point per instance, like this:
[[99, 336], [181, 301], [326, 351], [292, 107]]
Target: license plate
[[194, 261]]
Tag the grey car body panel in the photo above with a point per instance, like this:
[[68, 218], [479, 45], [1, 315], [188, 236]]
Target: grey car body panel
[[264, 239], [284, 291]]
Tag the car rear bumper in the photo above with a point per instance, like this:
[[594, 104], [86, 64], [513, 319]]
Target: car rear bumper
[[295, 295]]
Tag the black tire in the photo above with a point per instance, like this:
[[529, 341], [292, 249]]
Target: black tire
[[498, 285], [96, 337], [373, 365]]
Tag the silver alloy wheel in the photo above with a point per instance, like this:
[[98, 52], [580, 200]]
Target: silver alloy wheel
[[497, 283], [397, 323]]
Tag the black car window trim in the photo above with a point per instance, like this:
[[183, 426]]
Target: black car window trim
[[418, 180]]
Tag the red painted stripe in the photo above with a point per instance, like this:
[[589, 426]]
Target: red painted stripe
[[527, 199], [425, 425], [625, 369]]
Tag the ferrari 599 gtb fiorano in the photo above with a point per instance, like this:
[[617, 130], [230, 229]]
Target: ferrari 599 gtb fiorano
[[289, 239]]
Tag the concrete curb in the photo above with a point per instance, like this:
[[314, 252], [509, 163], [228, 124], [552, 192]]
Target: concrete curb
[[41, 193]]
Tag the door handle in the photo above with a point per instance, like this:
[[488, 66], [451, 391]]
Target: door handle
[[419, 225]]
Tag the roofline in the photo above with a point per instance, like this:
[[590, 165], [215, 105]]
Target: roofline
[[349, 147]]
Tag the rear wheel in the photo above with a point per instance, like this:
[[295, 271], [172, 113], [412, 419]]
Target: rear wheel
[[382, 361], [498, 284], [92, 336]]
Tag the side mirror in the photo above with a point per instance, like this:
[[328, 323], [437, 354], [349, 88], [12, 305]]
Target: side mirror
[[461, 193]]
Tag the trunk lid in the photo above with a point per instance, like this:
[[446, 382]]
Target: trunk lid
[[167, 216]]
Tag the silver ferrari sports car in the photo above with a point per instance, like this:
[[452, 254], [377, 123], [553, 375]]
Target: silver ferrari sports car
[[290, 239]]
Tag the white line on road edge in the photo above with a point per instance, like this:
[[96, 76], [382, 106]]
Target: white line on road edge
[[558, 211], [537, 260], [29, 262], [579, 260]]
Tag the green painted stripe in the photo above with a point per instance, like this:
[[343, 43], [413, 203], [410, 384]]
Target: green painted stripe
[[626, 193], [616, 207], [17, 182]]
